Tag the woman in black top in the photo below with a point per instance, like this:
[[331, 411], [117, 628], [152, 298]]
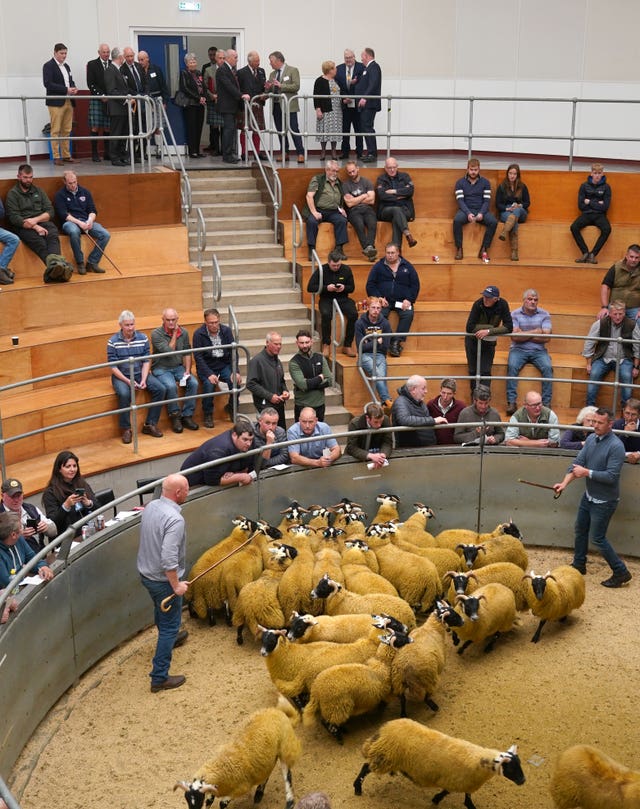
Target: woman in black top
[[512, 202], [328, 110], [68, 496], [193, 90]]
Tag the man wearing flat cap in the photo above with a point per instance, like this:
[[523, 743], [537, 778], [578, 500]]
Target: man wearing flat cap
[[36, 529], [489, 317]]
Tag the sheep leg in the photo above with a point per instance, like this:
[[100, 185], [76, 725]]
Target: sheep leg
[[192, 612], [464, 646], [210, 800], [536, 637], [259, 794], [227, 614], [454, 638], [334, 730], [403, 706], [468, 802], [491, 642], [211, 616], [437, 798], [288, 785], [430, 703], [239, 636], [357, 784], [300, 701]]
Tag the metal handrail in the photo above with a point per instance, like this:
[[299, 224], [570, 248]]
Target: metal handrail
[[201, 235], [337, 316], [216, 278], [316, 264], [296, 239], [275, 192]]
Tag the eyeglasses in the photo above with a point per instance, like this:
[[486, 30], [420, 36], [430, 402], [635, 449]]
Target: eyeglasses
[[533, 404]]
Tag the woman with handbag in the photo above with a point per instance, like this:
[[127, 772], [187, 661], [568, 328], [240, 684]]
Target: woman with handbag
[[191, 96]]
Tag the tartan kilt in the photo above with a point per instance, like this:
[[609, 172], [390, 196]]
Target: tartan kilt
[[213, 118], [258, 114], [98, 116]]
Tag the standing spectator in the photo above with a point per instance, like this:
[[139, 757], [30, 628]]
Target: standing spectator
[[30, 214], [155, 86], [239, 439], [489, 316], [594, 198], [117, 108], [603, 355], [328, 109], [599, 462], [252, 80], [337, 284], [134, 77], [375, 447], [214, 366], [214, 119], [68, 496], [15, 552], [347, 75], [574, 437], [448, 406], [192, 87], [630, 425], [622, 283], [370, 84], [211, 53], [125, 344], [531, 327], [10, 243], [512, 202], [311, 376], [529, 426], [409, 410], [473, 195], [161, 565], [395, 201], [285, 79], [58, 81], [371, 327], [171, 369], [266, 432], [229, 102], [98, 112], [325, 203], [395, 281], [36, 529], [77, 211], [360, 198], [322, 452], [265, 378], [479, 410]]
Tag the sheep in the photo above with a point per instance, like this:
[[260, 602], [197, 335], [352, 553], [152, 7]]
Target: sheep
[[490, 611], [340, 601], [504, 548], [584, 776], [338, 628], [343, 510], [553, 596], [319, 517], [292, 515], [354, 524], [351, 689], [247, 761], [504, 572], [358, 577], [452, 537], [429, 758], [388, 508], [328, 559], [414, 529], [367, 556], [443, 558], [297, 581]]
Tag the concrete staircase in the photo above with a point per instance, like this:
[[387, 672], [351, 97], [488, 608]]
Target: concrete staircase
[[256, 277]]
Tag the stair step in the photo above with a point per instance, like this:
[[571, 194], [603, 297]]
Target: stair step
[[241, 238], [225, 196], [279, 298], [221, 209], [214, 224]]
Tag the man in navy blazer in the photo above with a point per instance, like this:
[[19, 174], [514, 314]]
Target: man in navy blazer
[[230, 98], [370, 84], [58, 81], [348, 75]]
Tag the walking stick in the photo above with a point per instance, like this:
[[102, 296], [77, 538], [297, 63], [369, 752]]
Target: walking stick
[[541, 486], [95, 244]]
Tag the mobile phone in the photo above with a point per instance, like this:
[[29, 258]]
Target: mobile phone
[[79, 492], [32, 522]]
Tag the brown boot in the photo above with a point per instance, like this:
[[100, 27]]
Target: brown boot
[[323, 152], [513, 238], [508, 225]]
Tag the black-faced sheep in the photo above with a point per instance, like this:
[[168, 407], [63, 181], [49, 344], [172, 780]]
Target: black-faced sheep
[[292, 515], [452, 537], [553, 596], [358, 576], [489, 612], [246, 762], [468, 581], [584, 776], [414, 529], [340, 601], [503, 548], [432, 759]]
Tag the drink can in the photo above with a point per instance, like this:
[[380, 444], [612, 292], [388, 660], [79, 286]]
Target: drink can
[[85, 531], [100, 522], [435, 259]]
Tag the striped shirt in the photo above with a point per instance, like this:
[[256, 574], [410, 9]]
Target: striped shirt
[[120, 349]]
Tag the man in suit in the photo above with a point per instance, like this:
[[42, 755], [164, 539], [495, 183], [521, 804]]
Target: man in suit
[[134, 76], [155, 85], [98, 115], [285, 79], [116, 85], [370, 84], [252, 79], [58, 81], [229, 98], [348, 75]]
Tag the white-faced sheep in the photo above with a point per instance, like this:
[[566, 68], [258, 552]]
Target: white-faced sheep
[[338, 628], [340, 601], [585, 777], [246, 762], [553, 596], [432, 759], [466, 582], [489, 612], [352, 689]]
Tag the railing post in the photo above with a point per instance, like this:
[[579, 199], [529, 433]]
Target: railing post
[[470, 134], [572, 135], [133, 410]]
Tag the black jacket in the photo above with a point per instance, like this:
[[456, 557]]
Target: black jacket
[[406, 412]]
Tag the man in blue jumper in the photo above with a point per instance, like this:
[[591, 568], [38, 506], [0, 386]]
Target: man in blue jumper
[[473, 195], [77, 213]]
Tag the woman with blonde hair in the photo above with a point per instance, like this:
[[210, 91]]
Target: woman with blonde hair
[[328, 106]]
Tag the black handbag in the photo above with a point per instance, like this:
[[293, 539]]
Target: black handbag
[[181, 99]]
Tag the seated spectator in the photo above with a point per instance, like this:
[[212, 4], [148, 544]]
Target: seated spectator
[[473, 195], [479, 410], [395, 281], [360, 199], [77, 212], [375, 447], [448, 406], [603, 355], [30, 214], [68, 497], [36, 529], [240, 471], [395, 202], [15, 552], [575, 437], [214, 366], [409, 410], [370, 328], [534, 430], [512, 204], [325, 203], [530, 334], [594, 198], [622, 283], [10, 243], [630, 423], [266, 432], [319, 453], [337, 285]]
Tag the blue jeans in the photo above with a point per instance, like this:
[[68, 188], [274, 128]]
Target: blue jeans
[[169, 378], [99, 234], [592, 521], [600, 368], [519, 213], [168, 624], [518, 358], [633, 312], [381, 370], [123, 392], [10, 242], [224, 375], [338, 221], [488, 220]]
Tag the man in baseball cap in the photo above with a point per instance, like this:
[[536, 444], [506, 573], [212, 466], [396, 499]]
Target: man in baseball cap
[[36, 529], [489, 317]]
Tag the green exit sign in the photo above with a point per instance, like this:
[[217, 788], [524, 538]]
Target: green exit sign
[[188, 5]]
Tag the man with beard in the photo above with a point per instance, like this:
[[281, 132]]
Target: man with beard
[[311, 375]]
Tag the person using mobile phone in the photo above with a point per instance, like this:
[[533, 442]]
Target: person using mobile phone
[[68, 496], [37, 529]]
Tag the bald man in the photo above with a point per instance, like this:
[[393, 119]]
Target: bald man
[[161, 565], [174, 370], [230, 98]]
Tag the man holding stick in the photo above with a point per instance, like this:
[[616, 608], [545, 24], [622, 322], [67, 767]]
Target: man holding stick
[[77, 212]]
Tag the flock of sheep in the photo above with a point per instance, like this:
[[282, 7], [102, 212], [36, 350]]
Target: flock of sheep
[[333, 604]]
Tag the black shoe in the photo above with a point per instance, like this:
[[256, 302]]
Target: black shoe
[[151, 429], [181, 638], [341, 254], [174, 681], [394, 349], [189, 423], [617, 580], [208, 422], [511, 408], [96, 158], [583, 259], [591, 259], [80, 268], [5, 278], [230, 159], [10, 272], [95, 268], [580, 568], [369, 158], [119, 163], [176, 422]]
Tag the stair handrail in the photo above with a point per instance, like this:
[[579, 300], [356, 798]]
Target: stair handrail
[[164, 127], [296, 241], [216, 279], [337, 315], [233, 323], [201, 235], [275, 189]]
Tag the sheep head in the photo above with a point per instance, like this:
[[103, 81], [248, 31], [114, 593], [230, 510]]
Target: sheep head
[[508, 765], [384, 621], [332, 533], [294, 511], [470, 605], [325, 587], [388, 499], [195, 792], [299, 624], [512, 529], [245, 523], [538, 583], [271, 639], [470, 552], [395, 640], [447, 616], [426, 510], [346, 506]]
